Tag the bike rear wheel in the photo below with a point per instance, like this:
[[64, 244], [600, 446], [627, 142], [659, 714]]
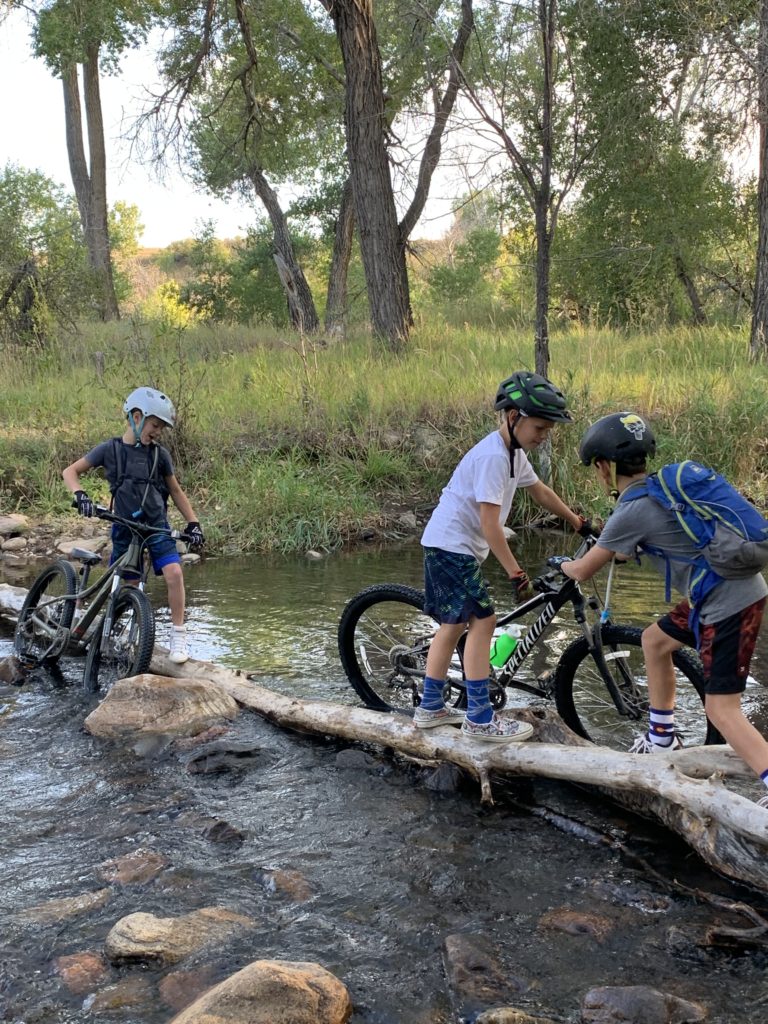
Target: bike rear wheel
[[584, 703], [40, 638], [384, 638], [129, 646]]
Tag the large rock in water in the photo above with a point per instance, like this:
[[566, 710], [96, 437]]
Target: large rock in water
[[167, 940], [147, 707], [272, 992]]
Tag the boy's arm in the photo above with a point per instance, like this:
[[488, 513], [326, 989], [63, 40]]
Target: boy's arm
[[547, 498], [73, 472], [179, 499], [584, 568], [493, 532]]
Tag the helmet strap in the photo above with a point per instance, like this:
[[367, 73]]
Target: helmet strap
[[614, 488], [137, 430]]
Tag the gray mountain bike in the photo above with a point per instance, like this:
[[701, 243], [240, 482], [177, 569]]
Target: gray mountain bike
[[110, 621]]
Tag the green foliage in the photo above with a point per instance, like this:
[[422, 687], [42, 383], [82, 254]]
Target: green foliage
[[465, 275], [66, 30], [124, 228], [44, 279]]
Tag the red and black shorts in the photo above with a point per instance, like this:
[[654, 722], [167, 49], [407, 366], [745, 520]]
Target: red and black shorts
[[725, 647]]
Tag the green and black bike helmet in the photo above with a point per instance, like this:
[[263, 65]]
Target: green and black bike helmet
[[620, 437], [532, 395]]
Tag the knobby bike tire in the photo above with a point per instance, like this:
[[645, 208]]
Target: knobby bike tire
[[32, 644], [382, 632], [585, 704], [129, 646]]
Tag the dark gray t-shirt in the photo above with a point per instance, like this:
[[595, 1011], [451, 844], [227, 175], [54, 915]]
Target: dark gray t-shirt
[[643, 521], [135, 464]]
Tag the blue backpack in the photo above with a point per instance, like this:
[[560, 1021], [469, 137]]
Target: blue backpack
[[727, 528]]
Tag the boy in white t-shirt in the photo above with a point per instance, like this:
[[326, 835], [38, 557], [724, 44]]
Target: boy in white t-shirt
[[468, 523]]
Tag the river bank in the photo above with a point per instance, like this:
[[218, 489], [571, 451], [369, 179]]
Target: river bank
[[349, 442]]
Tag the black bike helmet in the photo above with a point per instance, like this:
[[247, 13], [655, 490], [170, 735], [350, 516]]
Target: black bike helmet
[[620, 437], [532, 395]]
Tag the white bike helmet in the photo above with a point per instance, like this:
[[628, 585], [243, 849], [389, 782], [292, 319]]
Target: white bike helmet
[[150, 403]]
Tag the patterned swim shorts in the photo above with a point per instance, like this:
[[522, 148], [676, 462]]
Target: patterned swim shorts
[[455, 587]]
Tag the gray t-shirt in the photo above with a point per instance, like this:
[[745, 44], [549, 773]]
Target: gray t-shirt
[[644, 521], [136, 481]]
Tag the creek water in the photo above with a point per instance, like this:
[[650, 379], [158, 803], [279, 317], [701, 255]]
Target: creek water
[[388, 866]]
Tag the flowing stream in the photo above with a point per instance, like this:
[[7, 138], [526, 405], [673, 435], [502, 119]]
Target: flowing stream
[[385, 865]]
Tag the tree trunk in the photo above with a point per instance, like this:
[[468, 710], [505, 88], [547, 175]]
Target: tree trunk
[[298, 293], [90, 187], [382, 251], [699, 316], [758, 343], [97, 234], [336, 302], [543, 244]]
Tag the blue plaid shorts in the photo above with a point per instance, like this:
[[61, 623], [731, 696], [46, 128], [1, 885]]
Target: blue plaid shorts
[[455, 587]]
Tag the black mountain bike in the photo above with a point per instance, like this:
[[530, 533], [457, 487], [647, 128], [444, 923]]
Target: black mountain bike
[[596, 680], [111, 622]]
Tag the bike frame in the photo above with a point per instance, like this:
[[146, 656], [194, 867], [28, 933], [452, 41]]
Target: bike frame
[[105, 589], [553, 597]]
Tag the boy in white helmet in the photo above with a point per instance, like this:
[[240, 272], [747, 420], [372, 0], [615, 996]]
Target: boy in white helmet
[[141, 478]]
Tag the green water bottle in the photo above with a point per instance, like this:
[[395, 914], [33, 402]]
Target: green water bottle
[[503, 646]]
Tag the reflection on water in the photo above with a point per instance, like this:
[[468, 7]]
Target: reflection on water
[[392, 867]]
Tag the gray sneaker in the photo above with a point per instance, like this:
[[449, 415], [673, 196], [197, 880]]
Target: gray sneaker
[[498, 730], [763, 802], [424, 719]]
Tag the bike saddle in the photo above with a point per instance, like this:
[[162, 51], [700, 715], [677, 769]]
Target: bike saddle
[[86, 557]]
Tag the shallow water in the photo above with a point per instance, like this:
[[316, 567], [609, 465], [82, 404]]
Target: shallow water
[[392, 866]]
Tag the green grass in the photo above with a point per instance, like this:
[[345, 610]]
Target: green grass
[[288, 446]]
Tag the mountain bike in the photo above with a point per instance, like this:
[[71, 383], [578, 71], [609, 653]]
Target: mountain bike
[[594, 671], [112, 622]]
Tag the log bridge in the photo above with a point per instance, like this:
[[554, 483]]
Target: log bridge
[[704, 794]]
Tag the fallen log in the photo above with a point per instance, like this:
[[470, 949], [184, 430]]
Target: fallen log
[[694, 791], [697, 792]]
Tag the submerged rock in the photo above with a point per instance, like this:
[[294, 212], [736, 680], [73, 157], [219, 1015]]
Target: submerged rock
[[509, 1015], [638, 1004], [133, 868], [68, 906], [477, 978], [574, 922], [273, 992], [144, 937], [12, 671], [154, 709], [81, 972]]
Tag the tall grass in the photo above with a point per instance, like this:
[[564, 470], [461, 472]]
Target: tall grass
[[283, 445]]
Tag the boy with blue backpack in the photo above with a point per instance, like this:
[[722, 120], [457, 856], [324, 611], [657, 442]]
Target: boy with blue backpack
[[710, 544]]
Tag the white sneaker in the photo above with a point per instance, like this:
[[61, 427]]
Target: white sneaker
[[177, 652], [644, 745]]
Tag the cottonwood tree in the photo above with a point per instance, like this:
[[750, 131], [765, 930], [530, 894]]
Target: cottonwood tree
[[79, 40], [254, 99], [524, 85]]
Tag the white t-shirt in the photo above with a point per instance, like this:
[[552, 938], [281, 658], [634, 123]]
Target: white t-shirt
[[483, 475]]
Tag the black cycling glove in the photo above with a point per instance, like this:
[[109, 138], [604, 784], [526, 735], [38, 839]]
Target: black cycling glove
[[194, 535], [556, 562], [587, 530], [84, 504]]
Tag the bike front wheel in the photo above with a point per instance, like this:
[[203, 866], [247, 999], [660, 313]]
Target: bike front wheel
[[46, 615], [384, 638], [127, 651], [585, 704]]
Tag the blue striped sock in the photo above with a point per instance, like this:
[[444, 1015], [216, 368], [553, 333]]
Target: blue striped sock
[[479, 708], [662, 727], [764, 776], [432, 700]]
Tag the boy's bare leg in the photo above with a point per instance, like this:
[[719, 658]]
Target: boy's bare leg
[[442, 647], [658, 649], [478, 647], [724, 712], [174, 581]]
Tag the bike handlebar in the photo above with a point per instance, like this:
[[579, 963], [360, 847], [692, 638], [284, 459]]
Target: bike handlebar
[[143, 529]]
